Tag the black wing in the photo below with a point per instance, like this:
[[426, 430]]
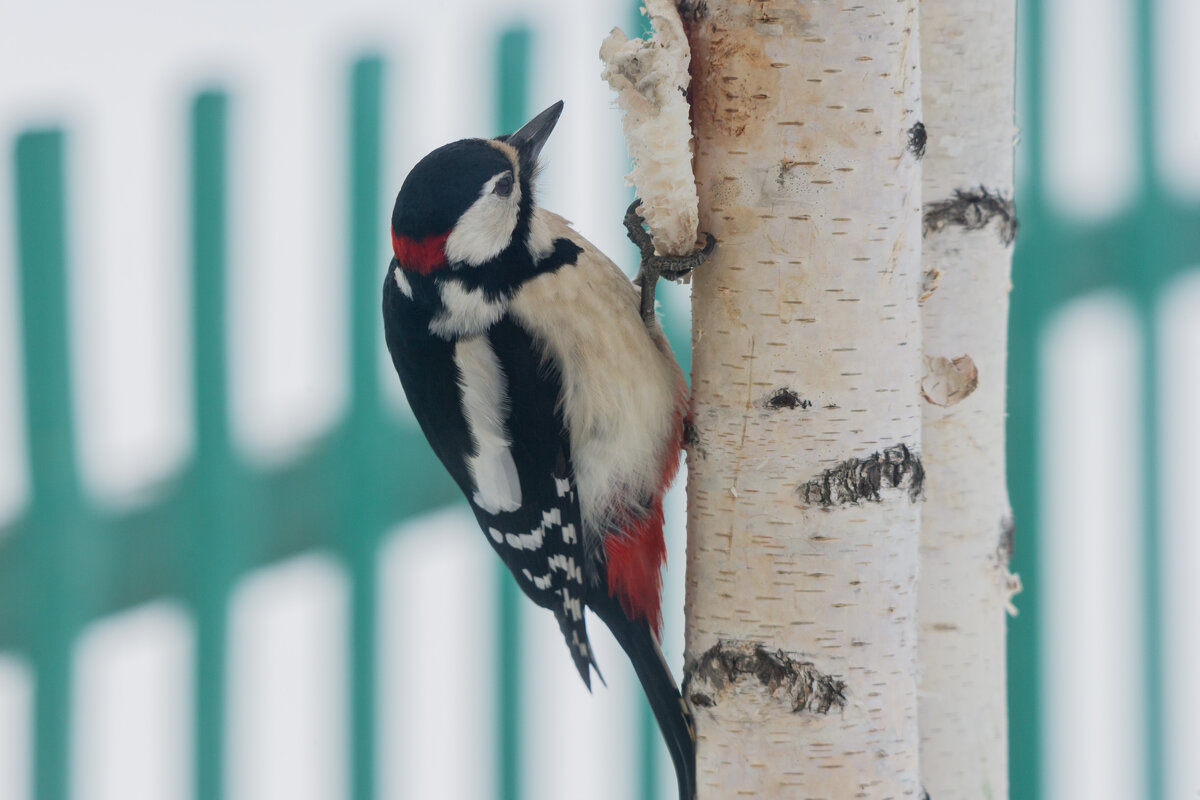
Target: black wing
[[425, 364], [541, 541]]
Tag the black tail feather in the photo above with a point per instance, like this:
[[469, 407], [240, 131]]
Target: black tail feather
[[672, 715], [584, 658]]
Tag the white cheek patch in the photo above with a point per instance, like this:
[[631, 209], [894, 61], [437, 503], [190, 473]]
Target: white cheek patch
[[465, 312], [486, 228], [485, 403]]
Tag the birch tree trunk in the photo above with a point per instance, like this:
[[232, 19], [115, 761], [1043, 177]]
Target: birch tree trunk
[[804, 471], [967, 53]]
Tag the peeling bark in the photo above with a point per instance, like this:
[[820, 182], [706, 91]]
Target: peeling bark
[[651, 80], [949, 380], [967, 55], [803, 115]]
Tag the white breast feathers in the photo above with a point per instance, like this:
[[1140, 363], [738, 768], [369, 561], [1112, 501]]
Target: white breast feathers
[[619, 382]]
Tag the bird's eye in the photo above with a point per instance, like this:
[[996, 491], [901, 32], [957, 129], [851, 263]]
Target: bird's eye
[[504, 186]]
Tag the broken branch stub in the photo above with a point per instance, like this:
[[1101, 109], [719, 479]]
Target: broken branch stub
[[651, 81]]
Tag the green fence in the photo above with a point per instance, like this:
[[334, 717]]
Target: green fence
[[67, 561], [1057, 259]]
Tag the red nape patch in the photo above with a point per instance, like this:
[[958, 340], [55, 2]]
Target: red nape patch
[[422, 256]]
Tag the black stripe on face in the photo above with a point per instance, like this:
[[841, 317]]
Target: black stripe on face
[[500, 279]]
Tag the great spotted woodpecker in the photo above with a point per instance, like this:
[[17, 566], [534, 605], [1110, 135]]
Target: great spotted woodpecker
[[554, 404]]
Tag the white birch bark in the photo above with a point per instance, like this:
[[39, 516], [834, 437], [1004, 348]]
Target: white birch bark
[[967, 53], [803, 469]]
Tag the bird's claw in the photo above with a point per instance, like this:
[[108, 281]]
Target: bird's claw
[[636, 230], [653, 266], [675, 267]]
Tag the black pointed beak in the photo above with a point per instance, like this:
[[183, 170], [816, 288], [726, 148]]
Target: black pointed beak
[[533, 134]]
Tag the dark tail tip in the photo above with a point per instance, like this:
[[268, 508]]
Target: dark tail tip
[[670, 712]]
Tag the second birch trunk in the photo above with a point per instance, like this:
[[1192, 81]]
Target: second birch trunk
[[967, 53]]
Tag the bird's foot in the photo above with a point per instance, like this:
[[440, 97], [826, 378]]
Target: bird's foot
[[653, 266]]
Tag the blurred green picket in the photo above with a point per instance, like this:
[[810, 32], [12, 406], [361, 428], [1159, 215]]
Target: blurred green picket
[[67, 561], [1059, 258]]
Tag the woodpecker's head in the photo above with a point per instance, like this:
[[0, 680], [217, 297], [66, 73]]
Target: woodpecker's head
[[468, 201]]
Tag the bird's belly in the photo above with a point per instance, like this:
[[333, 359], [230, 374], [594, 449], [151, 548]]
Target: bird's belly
[[623, 394]]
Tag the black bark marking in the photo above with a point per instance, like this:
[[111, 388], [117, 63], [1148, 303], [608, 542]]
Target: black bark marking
[[799, 684], [859, 479], [917, 139], [972, 210], [1004, 550], [692, 441], [785, 398]]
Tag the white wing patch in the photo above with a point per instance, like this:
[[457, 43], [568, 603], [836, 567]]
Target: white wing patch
[[465, 312], [485, 401], [402, 283], [485, 229]]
